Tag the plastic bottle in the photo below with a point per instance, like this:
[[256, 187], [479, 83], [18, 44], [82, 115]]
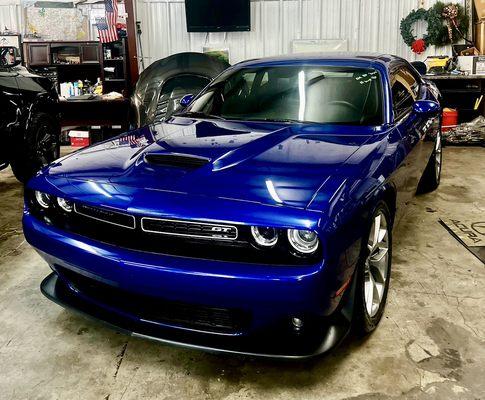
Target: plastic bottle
[[98, 88]]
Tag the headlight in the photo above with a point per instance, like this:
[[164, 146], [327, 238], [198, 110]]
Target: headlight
[[303, 241], [66, 205], [264, 236], [43, 199]]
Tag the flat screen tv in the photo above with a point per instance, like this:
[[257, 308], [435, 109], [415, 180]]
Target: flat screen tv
[[217, 15]]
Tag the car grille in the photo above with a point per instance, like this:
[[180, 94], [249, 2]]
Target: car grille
[[155, 309], [189, 229], [190, 239], [106, 215]]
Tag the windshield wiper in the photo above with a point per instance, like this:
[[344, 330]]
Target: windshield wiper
[[295, 121], [197, 114]]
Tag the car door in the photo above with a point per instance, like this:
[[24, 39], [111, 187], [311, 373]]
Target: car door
[[406, 89], [410, 130], [9, 108]]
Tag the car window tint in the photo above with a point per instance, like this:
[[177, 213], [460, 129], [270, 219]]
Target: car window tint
[[322, 94], [405, 90]]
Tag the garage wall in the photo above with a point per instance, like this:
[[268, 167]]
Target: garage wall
[[10, 15], [369, 25]]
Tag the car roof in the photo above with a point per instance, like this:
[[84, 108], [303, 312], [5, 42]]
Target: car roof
[[345, 57]]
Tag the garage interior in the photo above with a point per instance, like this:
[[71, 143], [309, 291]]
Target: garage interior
[[430, 343]]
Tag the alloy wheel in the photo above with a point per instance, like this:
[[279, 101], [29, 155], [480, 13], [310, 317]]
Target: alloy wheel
[[376, 265]]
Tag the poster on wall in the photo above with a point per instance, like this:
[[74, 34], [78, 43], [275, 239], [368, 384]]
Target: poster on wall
[[10, 41], [56, 23], [221, 53]]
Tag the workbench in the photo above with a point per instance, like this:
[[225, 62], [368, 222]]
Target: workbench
[[461, 92]]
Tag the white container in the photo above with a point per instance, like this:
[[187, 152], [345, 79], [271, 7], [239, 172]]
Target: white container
[[64, 90], [465, 63], [79, 134]]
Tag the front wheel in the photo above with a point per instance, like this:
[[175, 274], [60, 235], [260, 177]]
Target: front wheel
[[40, 147], [373, 271]]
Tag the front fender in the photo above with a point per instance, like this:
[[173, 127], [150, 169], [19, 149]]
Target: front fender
[[43, 103]]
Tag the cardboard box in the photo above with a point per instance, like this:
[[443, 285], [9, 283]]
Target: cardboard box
[[465, 63], [480, 8], [479, 65], [470, 51], [473, 65]]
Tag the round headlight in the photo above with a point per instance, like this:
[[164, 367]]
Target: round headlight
[[303, 241], [264, 236], [43, 199], [66, 205]]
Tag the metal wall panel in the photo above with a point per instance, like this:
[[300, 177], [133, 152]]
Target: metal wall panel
[[10, 16], [368, 25]]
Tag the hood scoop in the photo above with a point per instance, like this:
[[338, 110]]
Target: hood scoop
[[177, 160]]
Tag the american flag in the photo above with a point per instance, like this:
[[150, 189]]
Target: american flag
[[107, 25]]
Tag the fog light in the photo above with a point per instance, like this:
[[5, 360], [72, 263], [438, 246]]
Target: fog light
[[66, 205], [303, 241], [43, 199], [297, 324], [264, 236]]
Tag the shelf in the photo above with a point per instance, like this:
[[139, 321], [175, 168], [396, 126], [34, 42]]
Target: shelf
[[90, 64], [453, 77], [461, 91], [115, 80]]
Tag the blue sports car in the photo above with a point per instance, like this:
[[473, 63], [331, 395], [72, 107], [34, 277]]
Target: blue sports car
[[257, 219]]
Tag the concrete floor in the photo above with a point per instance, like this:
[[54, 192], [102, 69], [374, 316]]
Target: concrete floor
[[430, 344]]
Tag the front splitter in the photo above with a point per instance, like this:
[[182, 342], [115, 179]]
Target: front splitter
[[268, 346]]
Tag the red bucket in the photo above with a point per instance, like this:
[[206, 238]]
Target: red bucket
[[450, 119]]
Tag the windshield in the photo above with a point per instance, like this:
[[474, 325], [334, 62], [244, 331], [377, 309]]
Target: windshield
[[320, 94]]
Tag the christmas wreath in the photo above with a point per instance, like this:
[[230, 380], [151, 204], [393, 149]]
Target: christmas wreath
[[417, 45], [447, 23]]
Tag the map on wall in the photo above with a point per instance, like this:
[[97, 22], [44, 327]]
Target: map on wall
[[57, 23]]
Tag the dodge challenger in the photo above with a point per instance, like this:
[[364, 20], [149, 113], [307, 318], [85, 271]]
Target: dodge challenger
[[257, 219]]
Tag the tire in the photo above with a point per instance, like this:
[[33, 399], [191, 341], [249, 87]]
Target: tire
[[432, 174], [39, 148], [368, 310]]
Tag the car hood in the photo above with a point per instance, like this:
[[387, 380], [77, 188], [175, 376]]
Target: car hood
[[267, 163]]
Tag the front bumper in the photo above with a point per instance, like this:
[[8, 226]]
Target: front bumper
[[271, 295], [270, 345]]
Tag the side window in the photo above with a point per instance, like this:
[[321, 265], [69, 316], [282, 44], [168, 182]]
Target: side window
[[405, 90]]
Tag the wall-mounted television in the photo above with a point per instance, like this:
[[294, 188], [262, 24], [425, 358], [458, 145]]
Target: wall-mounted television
[[218, 15]]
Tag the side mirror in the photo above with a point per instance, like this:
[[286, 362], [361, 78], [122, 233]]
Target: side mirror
[[426, 107], [9, 57], [420, 67], [185, 101]]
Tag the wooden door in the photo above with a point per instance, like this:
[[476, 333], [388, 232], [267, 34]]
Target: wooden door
[[39, 54], [89, 53]]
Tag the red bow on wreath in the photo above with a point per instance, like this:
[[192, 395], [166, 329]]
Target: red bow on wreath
[[418, 46], [450, 14]]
